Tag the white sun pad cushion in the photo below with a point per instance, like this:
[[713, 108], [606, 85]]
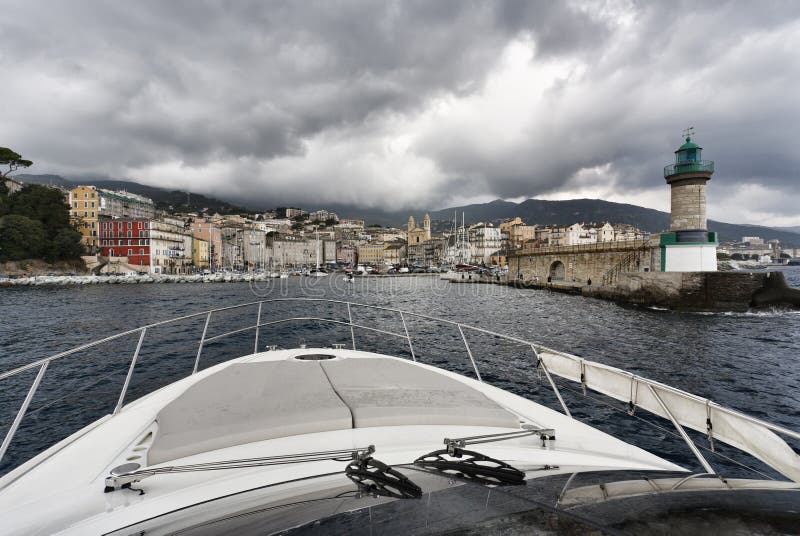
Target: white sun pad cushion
[[248, 402], [389, 392]]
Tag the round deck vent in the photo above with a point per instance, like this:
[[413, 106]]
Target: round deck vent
[[314, 357]]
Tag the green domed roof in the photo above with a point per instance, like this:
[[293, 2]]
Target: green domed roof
[[688, 145]]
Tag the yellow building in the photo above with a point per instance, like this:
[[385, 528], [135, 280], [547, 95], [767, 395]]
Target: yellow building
[[517, 232], [84, 207], [507, 225], [371, 253], [418, 235], [200, 253]]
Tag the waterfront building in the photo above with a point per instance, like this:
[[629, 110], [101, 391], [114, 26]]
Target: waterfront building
[[170, 246], [286, 250], [232, 246], [484, 240], [203, 229], [517, 232], [254, 249], [418, 235], [201, 251], [327, 253], [394, 252], [83, 210], [688, 246], [126, 238], [345, 253], [429, 253], [371, 253]]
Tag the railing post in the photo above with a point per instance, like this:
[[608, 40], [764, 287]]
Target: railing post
[[552, 383], [130, 372], [683, 433], [408, 337], [350, 320], [200, 348], [22, 409], [258, 326], [469, 352]]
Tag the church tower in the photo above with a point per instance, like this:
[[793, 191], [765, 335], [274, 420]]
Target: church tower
[[688, 247], [426, 224], [411, 223]]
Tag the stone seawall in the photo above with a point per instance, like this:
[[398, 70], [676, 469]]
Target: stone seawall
[[700, 291]]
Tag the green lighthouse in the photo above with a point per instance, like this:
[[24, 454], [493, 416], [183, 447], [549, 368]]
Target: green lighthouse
[[688, 247]]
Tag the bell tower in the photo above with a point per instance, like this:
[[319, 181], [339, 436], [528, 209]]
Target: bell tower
[[411, 224], [426, 224], [688, 246]]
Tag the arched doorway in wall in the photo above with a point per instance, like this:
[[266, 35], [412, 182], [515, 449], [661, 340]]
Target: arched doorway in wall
[[558, 272]]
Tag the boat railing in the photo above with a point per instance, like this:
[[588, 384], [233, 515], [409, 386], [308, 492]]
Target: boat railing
[[749, 434]]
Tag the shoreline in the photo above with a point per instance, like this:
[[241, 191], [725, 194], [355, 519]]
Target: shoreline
[[67, 280]]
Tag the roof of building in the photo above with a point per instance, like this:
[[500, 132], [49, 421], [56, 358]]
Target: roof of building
[[688, 145]]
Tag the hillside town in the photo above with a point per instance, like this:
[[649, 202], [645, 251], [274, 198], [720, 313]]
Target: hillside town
[[124, 232]]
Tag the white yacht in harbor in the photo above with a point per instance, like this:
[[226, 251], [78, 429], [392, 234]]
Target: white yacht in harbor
[[334, 440]]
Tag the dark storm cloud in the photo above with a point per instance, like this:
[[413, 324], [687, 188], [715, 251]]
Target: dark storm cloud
[[405, 103]]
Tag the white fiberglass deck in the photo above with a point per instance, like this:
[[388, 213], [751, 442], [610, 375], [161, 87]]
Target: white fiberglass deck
[[267, 399], [271, 404]]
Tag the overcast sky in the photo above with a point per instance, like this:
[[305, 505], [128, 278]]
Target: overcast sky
[[410, 104]]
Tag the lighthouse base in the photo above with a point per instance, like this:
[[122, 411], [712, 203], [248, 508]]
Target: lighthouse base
[[678, 254]]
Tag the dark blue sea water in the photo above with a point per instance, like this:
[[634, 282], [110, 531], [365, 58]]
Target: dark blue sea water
[[748, 361]]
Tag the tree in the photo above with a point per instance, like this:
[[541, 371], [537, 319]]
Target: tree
[[21, 238], [41, 203], [13, 160], [65, 245]]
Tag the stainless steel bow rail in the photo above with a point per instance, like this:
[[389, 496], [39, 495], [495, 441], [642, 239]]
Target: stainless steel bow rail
[[748, 434], [128, 473]]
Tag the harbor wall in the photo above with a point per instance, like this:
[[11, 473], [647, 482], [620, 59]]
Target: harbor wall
[[700, 291], [581, 263]]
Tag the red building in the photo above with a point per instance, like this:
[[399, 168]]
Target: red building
[[126, 238]]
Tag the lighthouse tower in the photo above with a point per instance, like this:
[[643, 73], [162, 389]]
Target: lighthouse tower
[[688, 246]]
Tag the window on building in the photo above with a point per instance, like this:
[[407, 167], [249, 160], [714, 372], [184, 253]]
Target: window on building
[[130, 224], [141, 251], [111, 252], [130, 234], [75, 204], [130, 251], [85, 214], [85, 195]]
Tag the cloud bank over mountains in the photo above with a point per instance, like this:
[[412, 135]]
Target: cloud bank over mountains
[[410, 104]]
